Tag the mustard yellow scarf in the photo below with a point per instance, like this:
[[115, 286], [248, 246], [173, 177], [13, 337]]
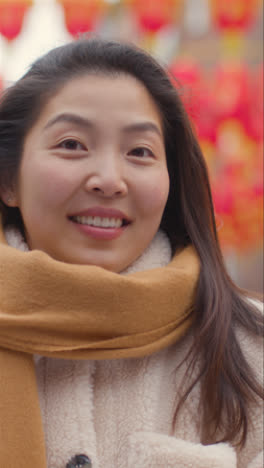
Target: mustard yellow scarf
[[70, 311]]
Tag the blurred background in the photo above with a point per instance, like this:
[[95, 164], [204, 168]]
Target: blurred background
[[214, 48]]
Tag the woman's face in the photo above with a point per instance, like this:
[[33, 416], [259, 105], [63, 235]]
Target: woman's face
[[93, 181]]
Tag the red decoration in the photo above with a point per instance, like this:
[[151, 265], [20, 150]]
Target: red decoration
[[188, 81], [236, 15], [238, 203], [81, 15], [231, 92], [153, 15], [238, 192], [12, 14], [226, 108], [199, 104], [256, 112]]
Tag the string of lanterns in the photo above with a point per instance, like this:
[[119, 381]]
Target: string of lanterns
[[151, 15]]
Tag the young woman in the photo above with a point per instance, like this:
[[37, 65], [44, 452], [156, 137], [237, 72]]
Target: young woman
[[123, 341]]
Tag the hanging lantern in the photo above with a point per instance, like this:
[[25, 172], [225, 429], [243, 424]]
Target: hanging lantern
[[153, 15], [238, 196], [82, 15], [238, 202], [233, 18], [232, 103], [193, 88], [231, 91], [12, 14], [234, 14], [188, 80]]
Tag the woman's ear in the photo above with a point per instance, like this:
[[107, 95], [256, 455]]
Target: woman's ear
[[9, 198]]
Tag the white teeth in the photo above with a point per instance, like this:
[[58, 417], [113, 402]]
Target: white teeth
[[112, 222], [99, 222], [105, 222]]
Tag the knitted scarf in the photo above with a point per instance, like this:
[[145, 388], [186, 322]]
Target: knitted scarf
[[71, 311]]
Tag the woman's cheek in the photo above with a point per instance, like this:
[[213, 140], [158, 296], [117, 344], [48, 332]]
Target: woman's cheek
[[154, 195], [51, 184]]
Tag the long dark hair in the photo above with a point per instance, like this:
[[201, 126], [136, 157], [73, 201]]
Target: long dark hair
[[228, 384]]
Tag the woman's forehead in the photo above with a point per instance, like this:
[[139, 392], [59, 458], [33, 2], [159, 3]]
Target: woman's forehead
[[96, 97]]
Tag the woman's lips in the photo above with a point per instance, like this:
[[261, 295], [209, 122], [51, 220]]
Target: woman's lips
[[102, 212], [102, 233], [100, 222]]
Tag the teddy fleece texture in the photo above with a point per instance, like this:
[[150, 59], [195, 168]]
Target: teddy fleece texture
[[120, 412]]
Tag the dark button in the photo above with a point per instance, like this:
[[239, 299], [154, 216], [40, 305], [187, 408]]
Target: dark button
[[79, 461]]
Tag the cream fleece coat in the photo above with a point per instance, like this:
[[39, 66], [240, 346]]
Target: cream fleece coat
[[119, 412]]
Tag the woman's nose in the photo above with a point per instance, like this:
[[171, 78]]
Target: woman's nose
[[107, 180]]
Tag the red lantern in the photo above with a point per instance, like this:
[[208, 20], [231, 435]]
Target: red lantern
[[193, 89], [231, 92], [238, 202], [153, 15], [12, 14], [233, 15], [81, 15], [188, 81]]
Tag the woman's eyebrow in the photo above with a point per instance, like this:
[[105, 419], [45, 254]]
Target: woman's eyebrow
[[74, 119], [79, 121], [142, 127]]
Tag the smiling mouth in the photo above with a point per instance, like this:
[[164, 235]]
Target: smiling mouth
[[100, 222]]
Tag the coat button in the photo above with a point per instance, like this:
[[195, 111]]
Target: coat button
[[79, 461]]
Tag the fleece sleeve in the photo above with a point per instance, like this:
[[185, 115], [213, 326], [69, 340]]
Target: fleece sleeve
[[258, 461], [150, 450]]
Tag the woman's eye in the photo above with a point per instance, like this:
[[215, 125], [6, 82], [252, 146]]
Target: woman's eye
[[71, 144], [141, 152]]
